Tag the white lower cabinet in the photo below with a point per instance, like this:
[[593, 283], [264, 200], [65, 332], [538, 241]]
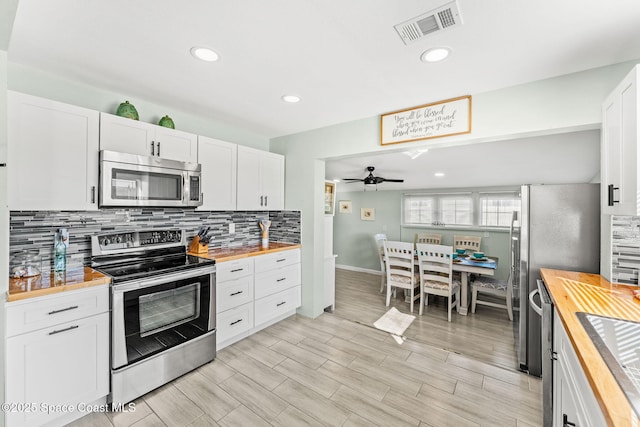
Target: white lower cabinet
[[54, 372], [573, 400], [253, 293]]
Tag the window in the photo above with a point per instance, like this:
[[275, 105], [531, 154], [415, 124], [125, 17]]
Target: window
[[496, 209], [438, 209], [479, 209]]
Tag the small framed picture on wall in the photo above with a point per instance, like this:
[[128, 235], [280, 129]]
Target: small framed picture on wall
[[367, 214], [344, 206]]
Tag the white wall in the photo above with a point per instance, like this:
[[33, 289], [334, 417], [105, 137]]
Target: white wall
[[35, 82], [561, 104]]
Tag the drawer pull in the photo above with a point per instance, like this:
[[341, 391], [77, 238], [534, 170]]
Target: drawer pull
[[281, 303], [64, 309], [234, 322], [64, 330], [236, 270], [281, 259], [280, 280], [235, 293]]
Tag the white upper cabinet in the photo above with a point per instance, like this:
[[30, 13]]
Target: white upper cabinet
[[219, 168], [619, 168], [260, 180], [52, 155], [132, 136]]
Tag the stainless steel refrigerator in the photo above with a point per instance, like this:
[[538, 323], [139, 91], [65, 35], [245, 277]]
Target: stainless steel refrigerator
[[558, 227]]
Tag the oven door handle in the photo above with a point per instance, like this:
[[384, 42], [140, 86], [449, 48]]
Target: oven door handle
[[164, 278], [536, 307]]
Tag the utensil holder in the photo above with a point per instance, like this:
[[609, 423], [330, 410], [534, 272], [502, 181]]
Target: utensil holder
[[196, 247]]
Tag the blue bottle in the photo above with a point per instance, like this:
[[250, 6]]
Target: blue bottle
[[60, 254]]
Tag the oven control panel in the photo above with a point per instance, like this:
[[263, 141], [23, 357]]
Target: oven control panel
[[148, 239]]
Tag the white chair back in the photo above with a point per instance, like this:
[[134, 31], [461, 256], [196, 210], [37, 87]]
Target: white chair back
[[471, 243], [400, 271], [433, 239], [435, 263]]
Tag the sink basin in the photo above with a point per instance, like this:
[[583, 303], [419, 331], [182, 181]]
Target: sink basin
[[618, 342]]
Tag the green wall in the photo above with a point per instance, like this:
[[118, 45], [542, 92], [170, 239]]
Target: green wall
[[353, 238]]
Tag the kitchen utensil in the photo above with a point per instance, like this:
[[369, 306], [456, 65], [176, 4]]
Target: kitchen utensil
[[264, 226]]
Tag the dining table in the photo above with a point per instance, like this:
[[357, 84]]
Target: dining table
[[467, 265]]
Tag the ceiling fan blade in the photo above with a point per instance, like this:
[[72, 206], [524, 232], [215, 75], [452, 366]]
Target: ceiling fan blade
[[390, 180], [351, 180]]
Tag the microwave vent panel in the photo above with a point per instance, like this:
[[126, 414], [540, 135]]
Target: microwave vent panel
[[439, 19]]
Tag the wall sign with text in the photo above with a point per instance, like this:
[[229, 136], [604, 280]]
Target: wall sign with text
[[443, 118]]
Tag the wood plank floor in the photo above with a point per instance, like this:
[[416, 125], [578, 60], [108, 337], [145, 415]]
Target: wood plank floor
[[337, 370]]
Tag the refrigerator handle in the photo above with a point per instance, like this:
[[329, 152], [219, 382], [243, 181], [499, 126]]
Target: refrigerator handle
[[537, 308]]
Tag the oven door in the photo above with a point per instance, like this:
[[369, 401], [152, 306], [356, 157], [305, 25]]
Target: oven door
[[155, 314]]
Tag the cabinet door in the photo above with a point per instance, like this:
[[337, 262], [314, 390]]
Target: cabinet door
[[620, 148], [176, 145], [249, 195], [63, 365], [565, 408], [126, 135], [52, 155], [219, 170], [272, 179]]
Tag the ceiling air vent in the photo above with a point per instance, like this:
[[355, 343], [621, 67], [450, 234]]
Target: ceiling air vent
[[439, 19]]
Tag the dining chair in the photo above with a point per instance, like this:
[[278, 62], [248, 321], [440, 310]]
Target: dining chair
[[467, 242], [379, 239], [400, 269], [434, 239], [495, 289], [436, 275]]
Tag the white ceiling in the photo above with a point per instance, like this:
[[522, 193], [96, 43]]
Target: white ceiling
[[554, 159], [343, 58]]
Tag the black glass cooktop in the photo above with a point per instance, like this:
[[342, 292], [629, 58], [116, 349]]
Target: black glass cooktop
[[146, 264]]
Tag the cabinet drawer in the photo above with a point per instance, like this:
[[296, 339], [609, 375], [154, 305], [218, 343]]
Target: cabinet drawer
[[30, 315], [233, 293], [234, 322], [277, 304], [277, 260], [277, 280], [230, 270]]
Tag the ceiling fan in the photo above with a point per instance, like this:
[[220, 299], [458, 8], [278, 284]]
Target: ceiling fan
[[370, 179]]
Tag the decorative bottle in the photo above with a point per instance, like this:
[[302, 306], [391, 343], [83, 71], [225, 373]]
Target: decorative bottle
[[60, 254]]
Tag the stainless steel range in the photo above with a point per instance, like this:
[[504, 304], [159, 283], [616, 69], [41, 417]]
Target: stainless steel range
[[162, 308]]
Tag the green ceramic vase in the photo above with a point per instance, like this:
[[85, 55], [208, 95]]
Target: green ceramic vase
[[167, 122], [127, 110]]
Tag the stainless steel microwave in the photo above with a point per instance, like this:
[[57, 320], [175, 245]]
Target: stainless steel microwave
[[133, 180]]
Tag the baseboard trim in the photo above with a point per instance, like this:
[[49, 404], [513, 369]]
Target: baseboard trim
[[359, 269]]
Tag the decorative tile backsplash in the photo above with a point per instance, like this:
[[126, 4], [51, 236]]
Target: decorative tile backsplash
[[34, 231], [625, 248]]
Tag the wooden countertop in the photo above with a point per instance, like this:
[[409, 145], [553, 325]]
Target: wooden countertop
[[47, 284], [229, 254], [581, 292]]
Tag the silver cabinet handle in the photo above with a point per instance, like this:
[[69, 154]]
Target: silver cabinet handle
[[237, 321], [153, 148], [64, 330], [158, 144], [536, 307], [265, 200], [280, 280], [261, 199], [73, 307], [282, 303], [237, 269], [281, 259], [93, 194], [235, 293]]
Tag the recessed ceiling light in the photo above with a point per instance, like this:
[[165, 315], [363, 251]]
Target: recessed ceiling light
[[435, 54], [291, 98], [204, 54], [439, 174]]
